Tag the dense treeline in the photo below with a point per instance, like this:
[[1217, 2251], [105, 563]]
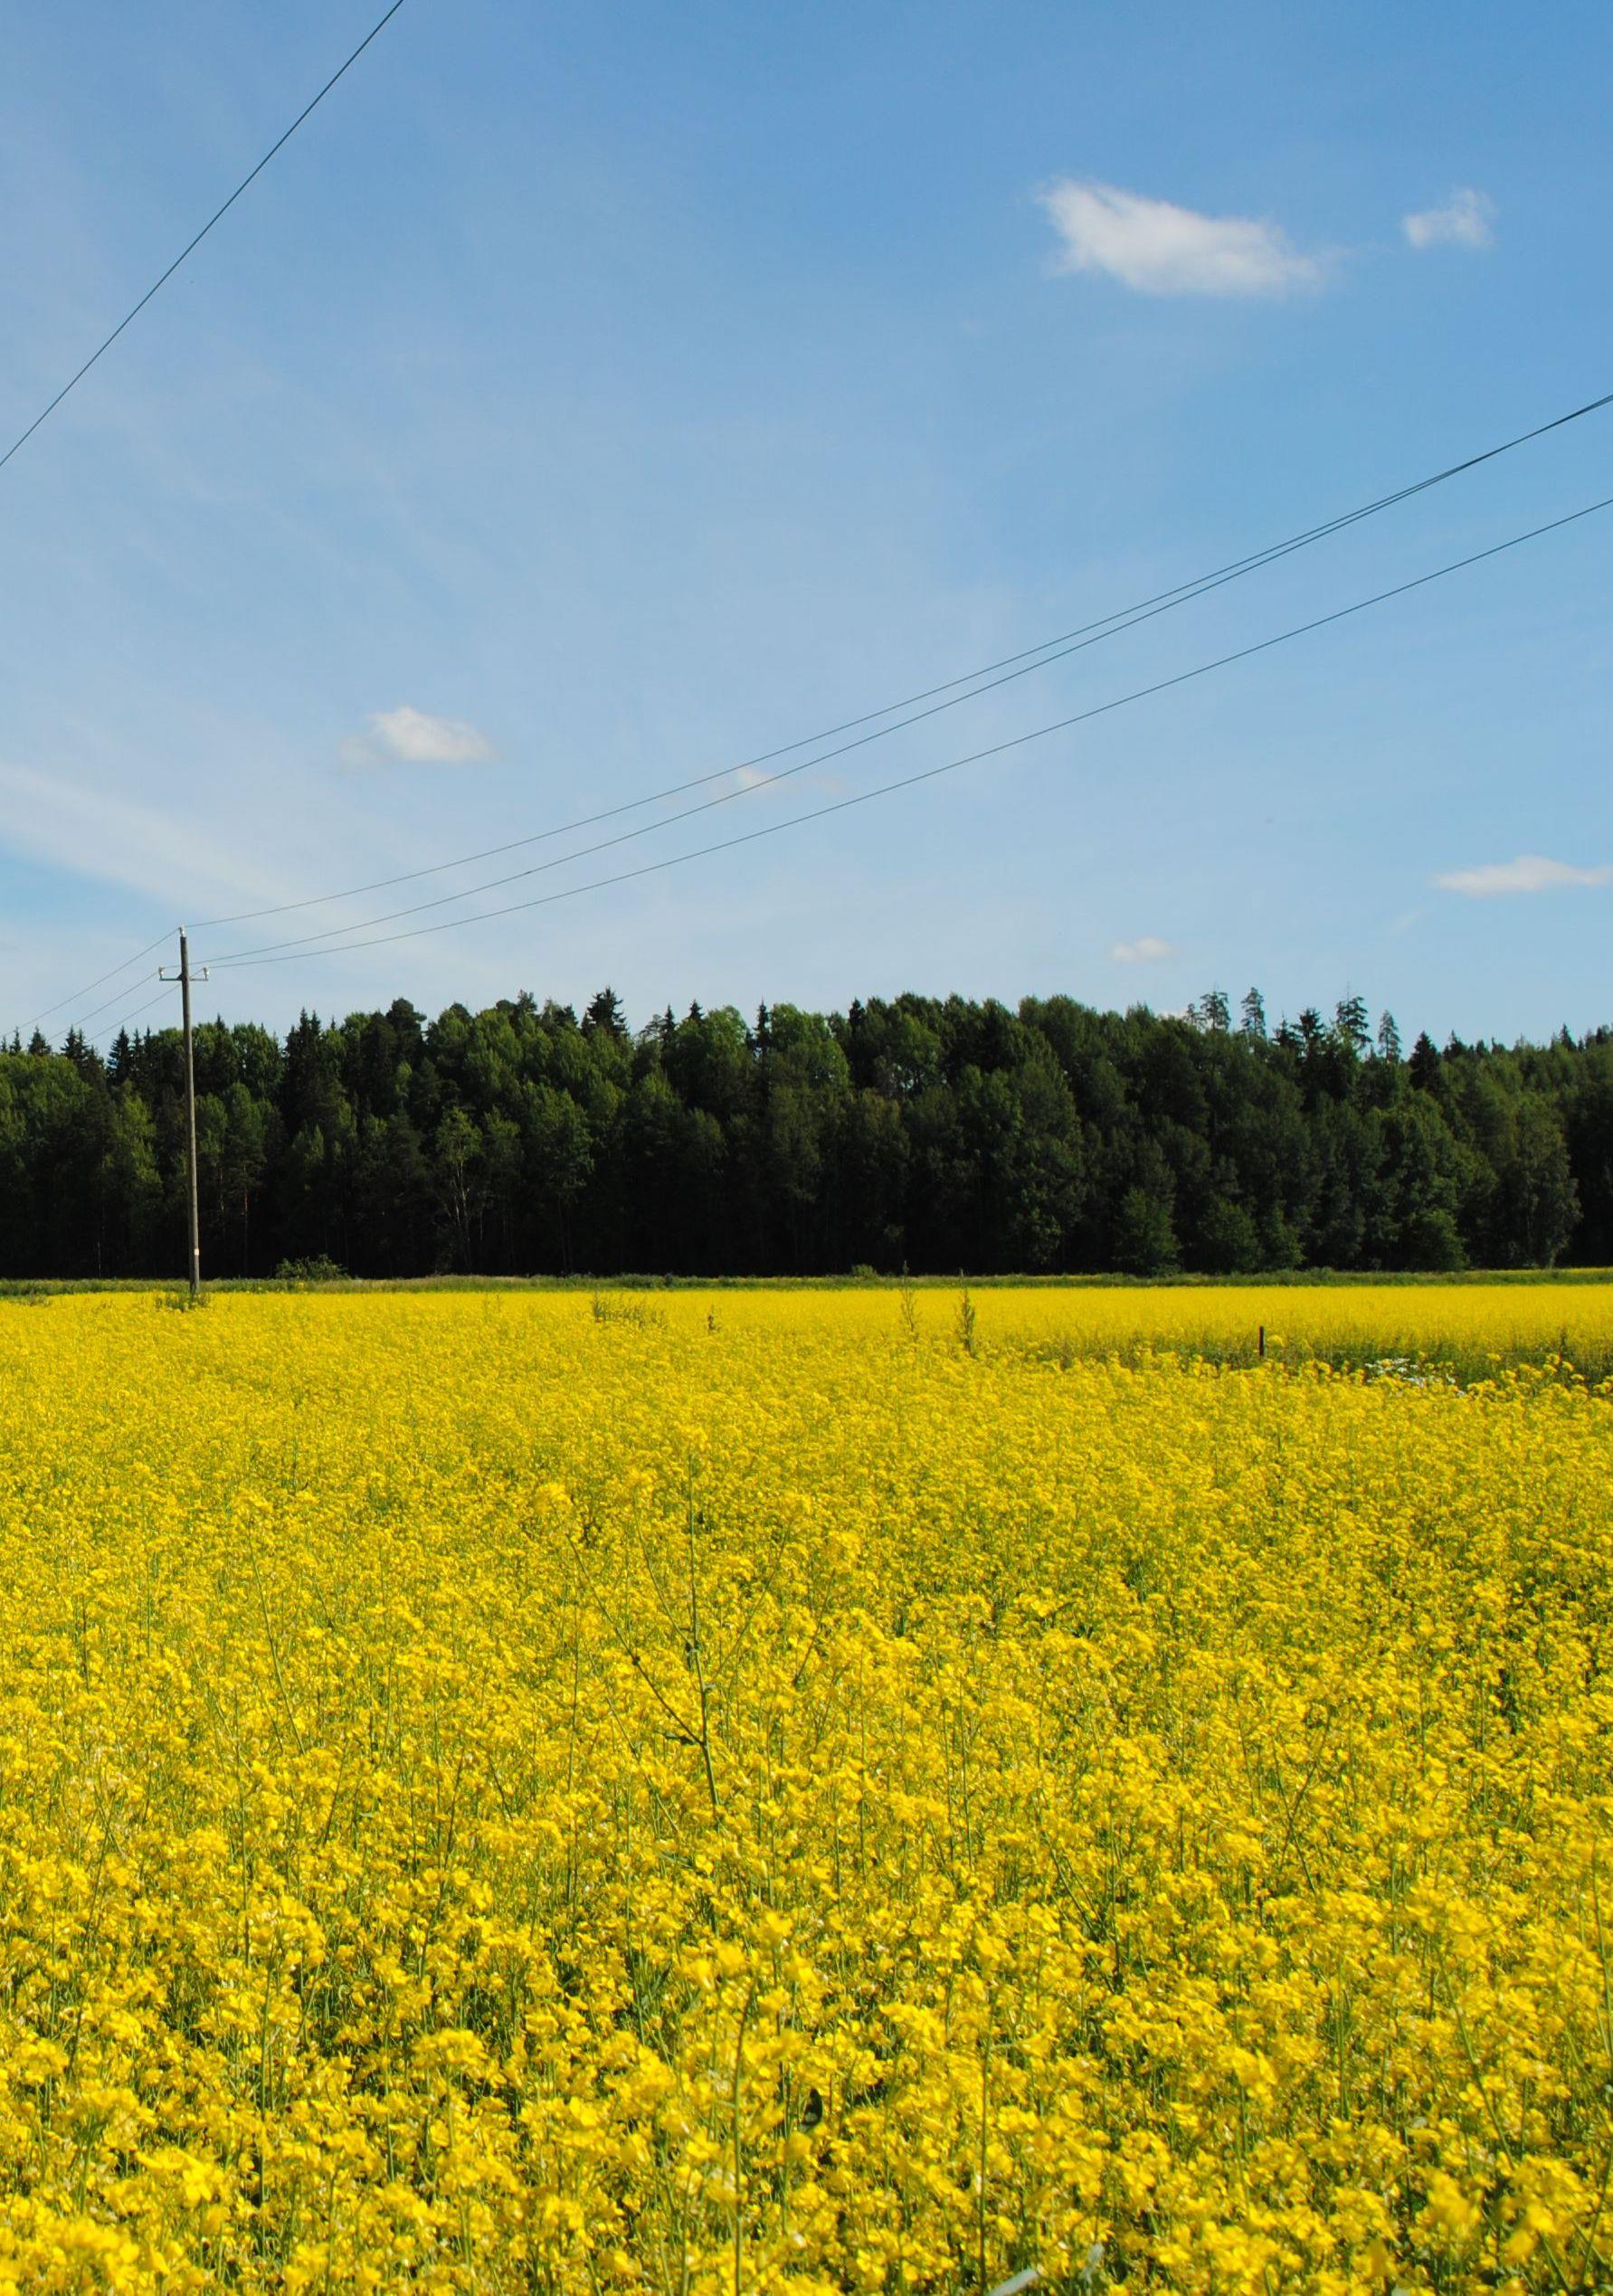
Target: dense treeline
[[937, 1135]]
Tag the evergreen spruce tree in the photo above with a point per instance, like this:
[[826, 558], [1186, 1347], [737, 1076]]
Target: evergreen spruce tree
[[1425, 1061], [604, 1016], [1350, 1021], [936, 1133]]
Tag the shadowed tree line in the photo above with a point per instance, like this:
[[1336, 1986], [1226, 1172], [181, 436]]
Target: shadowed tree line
[[919, 1133]]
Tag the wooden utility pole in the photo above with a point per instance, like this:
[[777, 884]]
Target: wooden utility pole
[[185, 976]]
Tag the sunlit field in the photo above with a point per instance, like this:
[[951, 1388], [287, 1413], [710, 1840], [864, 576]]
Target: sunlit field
[[1468, 1327], [708, 1791]]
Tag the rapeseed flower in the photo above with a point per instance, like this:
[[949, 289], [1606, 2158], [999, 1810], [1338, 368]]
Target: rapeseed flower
[[493, 1797]]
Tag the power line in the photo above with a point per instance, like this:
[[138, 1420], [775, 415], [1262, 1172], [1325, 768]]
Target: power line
[[115, 1028], [110, 1001], [98, 983], [217, 217], [241, 959], [1032, 658], [1036, 656], [101, 348]]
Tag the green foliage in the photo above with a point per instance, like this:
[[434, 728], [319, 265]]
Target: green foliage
[[910, 1131], [1144, 1236]]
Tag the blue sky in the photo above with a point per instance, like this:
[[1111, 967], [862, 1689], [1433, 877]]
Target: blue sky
[[590, 398]]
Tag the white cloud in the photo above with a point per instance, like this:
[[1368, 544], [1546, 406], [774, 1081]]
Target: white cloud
[[1159, 249], [412, 737], [1530, 873], [1147, 950], [1463, 221]]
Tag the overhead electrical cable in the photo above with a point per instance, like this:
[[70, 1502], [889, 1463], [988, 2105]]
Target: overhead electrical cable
[[115, 1028], [99, 981], [241, 960], [998, 673], [185, 253], [113, 1001], [133, 313], [1036, 656]]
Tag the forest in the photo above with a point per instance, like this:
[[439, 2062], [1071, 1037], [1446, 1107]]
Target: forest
[[930, 1134]]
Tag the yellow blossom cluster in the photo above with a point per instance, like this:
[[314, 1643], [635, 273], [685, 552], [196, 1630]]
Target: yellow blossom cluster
[[728, 1792]]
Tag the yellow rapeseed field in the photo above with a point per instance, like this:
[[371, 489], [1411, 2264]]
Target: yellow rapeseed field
[[854, 1790]]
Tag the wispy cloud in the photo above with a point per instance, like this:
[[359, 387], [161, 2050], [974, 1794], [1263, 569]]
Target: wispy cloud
[[791, 782], [1159, 249], [96, 834], [411, 736], [1149, 949], [1530, 873], [1466, 219]]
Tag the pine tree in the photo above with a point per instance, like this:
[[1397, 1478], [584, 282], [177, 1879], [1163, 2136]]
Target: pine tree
[[604, 1016], [945, 1134], [1425, 1061], [1350, 1021], [82, 1053]]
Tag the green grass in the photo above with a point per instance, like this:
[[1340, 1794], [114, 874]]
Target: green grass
[[44, 1288], [1581, 1362]]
